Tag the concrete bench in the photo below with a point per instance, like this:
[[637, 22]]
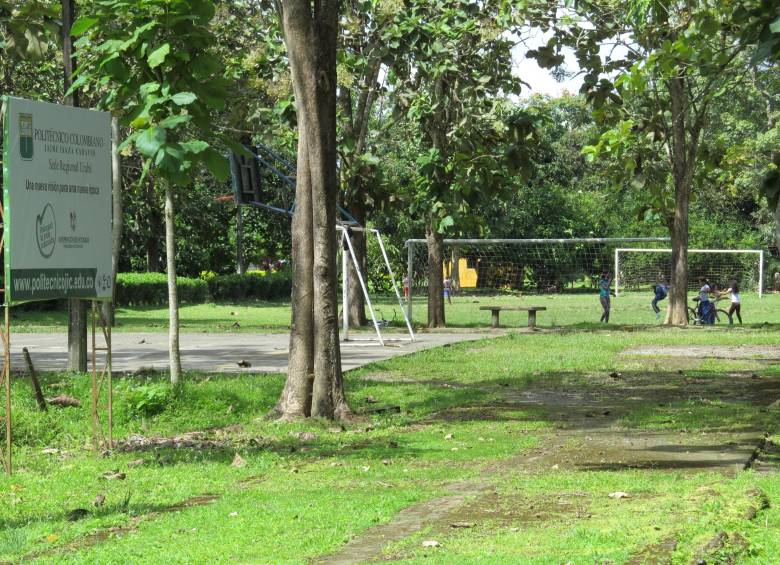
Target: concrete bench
[[532, 310]]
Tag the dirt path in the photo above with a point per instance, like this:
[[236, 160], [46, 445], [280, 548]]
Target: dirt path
[[368, 546], [764, 352], [591, 435]]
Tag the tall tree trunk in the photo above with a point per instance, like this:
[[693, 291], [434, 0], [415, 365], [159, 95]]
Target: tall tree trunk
[[77, 309], [678, 293], [240, 263], [356, 126], [295, 401], [357, 302], [682, 178], [435, 241], [174, 355], [153, 263], [116, 226], [456, 270], [777, 224], [311, 35]]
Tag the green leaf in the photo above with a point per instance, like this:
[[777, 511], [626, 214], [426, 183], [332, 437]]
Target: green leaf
[[150, 141], [139, 122], [217, 164], [173, 121], [196, 146], [774, 27], [82, 25], [148, 88], [184, 98], [128, 141], [157, 57]]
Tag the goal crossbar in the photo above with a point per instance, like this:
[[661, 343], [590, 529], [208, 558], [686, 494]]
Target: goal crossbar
[[572, 241]]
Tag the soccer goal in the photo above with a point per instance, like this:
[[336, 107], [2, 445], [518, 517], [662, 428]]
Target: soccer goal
[[348, 257], [639, 268], [527, 266]]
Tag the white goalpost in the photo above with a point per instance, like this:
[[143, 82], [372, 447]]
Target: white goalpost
[[347, 255], [640, 267]]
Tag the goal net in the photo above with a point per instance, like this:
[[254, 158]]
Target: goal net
[[639, 268], [528, 266]]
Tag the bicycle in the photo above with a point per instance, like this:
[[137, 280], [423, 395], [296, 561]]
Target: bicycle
[[382, 322], [694, 314]]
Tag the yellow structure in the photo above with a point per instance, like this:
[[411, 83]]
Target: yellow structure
[[468, 277]]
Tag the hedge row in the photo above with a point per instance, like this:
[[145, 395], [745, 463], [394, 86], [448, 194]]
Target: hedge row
[[151, 289], [256, 284]]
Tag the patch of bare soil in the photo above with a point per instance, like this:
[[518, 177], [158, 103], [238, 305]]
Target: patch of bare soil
[[767, 458], [99, 536], [656, 554], [765, 352], [724, 549], [367, 547], [586, 413]]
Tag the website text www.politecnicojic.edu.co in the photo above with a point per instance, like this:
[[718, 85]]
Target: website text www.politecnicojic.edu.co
[[45, 284]]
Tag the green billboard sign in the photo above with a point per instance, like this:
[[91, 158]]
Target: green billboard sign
[[56, 201]]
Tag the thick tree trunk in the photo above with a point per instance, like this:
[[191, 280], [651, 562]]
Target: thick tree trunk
[[678, 293], [310, 35], [357, 302], [684, 145], [295, 401], [327, 395], [435, 241], [174, 355]]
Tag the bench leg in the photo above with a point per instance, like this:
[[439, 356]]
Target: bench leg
[[494, 318], [532, 318]]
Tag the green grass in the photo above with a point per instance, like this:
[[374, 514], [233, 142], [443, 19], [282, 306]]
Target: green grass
[[297, 499], [577, 310]]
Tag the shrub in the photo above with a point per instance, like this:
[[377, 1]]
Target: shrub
[[259, 285], [151, 289], [147, 399]]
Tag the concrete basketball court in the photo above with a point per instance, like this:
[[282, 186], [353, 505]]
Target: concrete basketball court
[[221, 352]]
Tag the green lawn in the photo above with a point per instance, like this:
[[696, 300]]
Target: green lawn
[[562, 310], [461, 420]]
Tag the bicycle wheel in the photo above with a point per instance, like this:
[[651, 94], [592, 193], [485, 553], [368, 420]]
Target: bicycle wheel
[[693, 316], [725, 313]]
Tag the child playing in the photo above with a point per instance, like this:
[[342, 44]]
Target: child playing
[[661, 292], [706, 308], [604, 282], [736, 301], [448, 289], [405, 283]]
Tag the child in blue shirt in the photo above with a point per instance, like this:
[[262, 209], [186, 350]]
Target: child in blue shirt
[[604, 282], [661, 291]]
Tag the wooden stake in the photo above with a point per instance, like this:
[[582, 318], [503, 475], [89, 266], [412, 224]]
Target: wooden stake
[[35, 383]]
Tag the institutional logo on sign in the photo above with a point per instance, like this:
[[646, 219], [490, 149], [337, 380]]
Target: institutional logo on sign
[[46, 231], [26, 136]]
